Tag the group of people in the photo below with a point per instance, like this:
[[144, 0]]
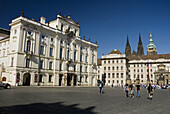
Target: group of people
[[132, 88]]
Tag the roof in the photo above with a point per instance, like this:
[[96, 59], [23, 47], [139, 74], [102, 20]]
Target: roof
[[4, 33], [152, 57], [99, 62], [115, 51]]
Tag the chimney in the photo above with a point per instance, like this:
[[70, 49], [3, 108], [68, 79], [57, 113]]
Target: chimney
[[42, 20]]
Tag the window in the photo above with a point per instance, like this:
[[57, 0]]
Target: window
[[68, 53], [42, 36], [75, 32], [138, 70], [117, 61], [113, 68], [134, 65], [141, 65], [50, 77], [104, 68], [121, 67], [61, 27], [29, 32], [41, 64], [80, 68], [40, 78], [81, 48], [81, 57], [86, 69], [74, 56], [50, 65], [121, 75], [134, 76], [117, 81], [42, 50], [117, 68], [92, 59], [12, 61], [51, 51], [15, 31], [112, 61], [117, 75], [141, 75], [86, 58], [60, 66], [52, 39], [141, 70], [68, 29], [134, 70], [151, 70], [108, 68], [67, 67], [61, 53], [61, 42], [108, 75], [121, 61], [27, 63], [113, 81], [151, 76], [113, 75], [104, 62], [28, 46], [75, 68], [108, 61], [108, 81]]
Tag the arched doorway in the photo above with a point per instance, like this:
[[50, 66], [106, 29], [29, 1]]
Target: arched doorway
[[26, 79]]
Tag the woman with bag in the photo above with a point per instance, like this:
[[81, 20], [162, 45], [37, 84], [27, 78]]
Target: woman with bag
[[150, 91]]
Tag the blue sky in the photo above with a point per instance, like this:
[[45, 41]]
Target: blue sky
[[106, 21]]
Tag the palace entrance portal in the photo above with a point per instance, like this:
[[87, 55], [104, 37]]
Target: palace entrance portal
[[71, 80], [26, 79]]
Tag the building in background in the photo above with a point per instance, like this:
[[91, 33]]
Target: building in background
[[137, 67], [47, 53]]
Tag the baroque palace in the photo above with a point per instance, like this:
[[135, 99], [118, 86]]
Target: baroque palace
[[117, 68], [47, 53]]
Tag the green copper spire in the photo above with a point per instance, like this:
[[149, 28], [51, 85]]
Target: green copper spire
[[151, 45]]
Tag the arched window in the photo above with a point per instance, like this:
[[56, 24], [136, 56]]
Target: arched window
[[4, 79], [28, 46]]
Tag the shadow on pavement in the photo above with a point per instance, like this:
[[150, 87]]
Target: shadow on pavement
[[44, 108]]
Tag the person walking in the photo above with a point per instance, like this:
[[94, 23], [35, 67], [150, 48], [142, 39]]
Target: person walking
[[126, 90], [150, 91], [100, 87], [138, 88], [131, 87]]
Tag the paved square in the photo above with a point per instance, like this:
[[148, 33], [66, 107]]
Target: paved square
[[80, 100]]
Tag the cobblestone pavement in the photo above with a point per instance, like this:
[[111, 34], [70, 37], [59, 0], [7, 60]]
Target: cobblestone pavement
[[84, 100]]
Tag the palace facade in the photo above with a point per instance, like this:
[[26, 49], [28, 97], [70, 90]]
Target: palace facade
[[47, 53], [117, 68]]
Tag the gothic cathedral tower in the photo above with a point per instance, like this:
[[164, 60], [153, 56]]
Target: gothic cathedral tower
[[151, 48], [128, 48], [140, 47]]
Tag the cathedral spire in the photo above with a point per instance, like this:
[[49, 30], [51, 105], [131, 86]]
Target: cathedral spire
[[128, 48], [140, 50]]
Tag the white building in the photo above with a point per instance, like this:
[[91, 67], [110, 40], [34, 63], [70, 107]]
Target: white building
[[113, 68], [52, 53], [116, 68]]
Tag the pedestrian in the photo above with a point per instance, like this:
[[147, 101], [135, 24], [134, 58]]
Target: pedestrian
[[150, 91], [126, 90], [111, 86], [138, 88], [131, 88], [100, 87]]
